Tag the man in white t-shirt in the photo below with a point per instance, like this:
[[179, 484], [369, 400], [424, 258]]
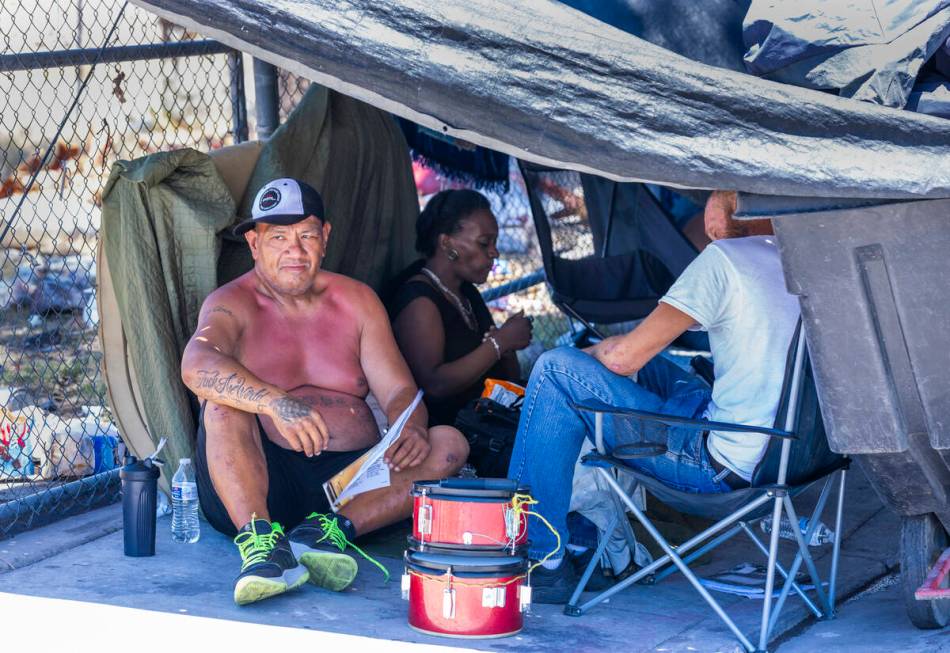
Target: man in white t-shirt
[[734, 290]]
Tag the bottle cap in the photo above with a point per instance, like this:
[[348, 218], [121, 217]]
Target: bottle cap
[[139, 470]]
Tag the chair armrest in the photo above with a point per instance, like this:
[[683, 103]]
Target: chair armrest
[[673, 420]]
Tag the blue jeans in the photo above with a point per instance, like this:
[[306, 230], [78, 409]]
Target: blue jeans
[[551, 431]]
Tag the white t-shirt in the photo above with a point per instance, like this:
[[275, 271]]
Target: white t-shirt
[[735, 289]]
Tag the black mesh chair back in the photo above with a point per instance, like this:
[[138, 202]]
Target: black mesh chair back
[[810, 457], [580, 221]]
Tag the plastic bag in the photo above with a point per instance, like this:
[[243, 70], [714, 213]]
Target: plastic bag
[[16, 445]]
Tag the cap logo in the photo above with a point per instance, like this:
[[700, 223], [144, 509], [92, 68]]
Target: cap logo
[[269, 199]]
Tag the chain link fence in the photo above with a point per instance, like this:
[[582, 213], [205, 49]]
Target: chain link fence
[[55, 425]]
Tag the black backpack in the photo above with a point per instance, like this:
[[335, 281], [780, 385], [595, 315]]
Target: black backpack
[[490, 429]]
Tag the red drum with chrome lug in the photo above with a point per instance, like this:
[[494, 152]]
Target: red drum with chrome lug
[[466, 596], [471, 514]]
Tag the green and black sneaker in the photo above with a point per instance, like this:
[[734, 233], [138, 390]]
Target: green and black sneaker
[[269, 566], [319, 543]]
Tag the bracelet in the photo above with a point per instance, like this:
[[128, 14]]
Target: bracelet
[[494, 343]]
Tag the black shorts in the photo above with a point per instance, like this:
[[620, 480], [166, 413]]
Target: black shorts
[[295, 482]]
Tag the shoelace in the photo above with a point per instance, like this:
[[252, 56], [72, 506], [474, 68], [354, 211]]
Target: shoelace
[[333, 533], [255, 547]]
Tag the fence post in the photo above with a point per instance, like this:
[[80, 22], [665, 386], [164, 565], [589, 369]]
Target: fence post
[[238, 97], [265, 97]]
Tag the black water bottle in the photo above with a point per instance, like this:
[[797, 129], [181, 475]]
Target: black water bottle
[[139, 495]]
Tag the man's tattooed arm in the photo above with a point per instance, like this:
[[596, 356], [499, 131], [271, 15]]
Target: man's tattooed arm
[[290, 408], [232, 388]]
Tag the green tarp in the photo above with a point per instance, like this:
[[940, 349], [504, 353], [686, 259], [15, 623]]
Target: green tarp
[[163, 217]]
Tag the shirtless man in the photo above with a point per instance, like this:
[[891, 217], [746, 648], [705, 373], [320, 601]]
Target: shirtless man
[[283, 359]]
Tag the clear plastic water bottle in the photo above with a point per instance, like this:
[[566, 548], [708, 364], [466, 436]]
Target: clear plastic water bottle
[[185, 526], [821, 535]]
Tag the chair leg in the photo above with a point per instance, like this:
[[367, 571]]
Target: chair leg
[[682, 548], [571, 607], [690, 576], [836, 550], [728, 535], [798, 590], [806, 554], [625, 526], [764, 628], [797, 562]]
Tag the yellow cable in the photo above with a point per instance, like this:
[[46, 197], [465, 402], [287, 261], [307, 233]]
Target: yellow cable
[[520, 500]]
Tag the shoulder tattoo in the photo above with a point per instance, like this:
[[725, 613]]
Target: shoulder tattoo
[[221, 309]]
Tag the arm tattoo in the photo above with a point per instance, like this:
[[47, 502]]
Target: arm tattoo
[[231, 386], [290, 408], [221, 309]]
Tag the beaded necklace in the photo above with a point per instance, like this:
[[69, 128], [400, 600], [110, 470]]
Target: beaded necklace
[[468, 315]]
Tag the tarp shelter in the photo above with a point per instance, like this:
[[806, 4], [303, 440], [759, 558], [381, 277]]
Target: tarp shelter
[[542, 81]]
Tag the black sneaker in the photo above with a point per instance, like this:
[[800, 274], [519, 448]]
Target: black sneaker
[[553, 585], [319, 544], [269, 567]]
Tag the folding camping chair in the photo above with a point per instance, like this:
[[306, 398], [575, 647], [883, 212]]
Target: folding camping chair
[[797, 456], [634, 260]]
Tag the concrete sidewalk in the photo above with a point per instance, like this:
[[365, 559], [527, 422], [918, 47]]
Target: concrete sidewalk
[[80, 559], [874, 622]]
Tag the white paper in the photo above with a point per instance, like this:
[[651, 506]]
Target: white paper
[[374, 473]]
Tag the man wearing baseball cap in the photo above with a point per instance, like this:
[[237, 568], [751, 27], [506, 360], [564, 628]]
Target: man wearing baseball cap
[[283, 359]]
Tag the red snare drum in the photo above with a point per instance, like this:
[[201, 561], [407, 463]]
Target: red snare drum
[[465, 596], [472, 514]]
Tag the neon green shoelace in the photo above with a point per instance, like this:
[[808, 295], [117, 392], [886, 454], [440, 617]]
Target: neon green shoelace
[[255, 547], [333, 534]]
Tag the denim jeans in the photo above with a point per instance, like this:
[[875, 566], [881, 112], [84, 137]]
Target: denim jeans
[[551, 431]]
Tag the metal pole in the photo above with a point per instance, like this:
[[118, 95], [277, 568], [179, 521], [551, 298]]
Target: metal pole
[[599, 433], [571, 606], [701, 551], [517, 285], [238, 97], [796, 563], [85, 56], [803, 548], [770, 574], [837, 545], [791, 418], [798, 590], [266, 99]]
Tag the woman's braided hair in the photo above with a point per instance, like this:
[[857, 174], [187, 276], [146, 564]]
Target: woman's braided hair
[[443, 214]]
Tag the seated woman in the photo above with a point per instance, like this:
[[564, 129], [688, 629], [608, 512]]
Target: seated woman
[[439, 319]]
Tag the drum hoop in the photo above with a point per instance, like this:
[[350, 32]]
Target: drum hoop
[[488, 550], [514, 567], [437, 490]]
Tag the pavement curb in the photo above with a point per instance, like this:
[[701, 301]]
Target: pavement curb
[[37, 545]]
